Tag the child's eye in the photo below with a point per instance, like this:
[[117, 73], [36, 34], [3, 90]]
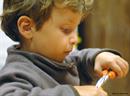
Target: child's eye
[[66, 30]]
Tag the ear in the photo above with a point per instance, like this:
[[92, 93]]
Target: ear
[[25, 26]]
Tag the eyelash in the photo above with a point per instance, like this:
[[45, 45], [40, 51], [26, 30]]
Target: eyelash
[[66, 31]]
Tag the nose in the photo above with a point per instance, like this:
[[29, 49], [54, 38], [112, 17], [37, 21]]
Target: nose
[[74, 38]]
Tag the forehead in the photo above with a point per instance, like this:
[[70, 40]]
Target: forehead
[[65, 15]]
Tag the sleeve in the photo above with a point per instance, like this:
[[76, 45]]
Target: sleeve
[[85, 60], [17, 89], [19, 84]]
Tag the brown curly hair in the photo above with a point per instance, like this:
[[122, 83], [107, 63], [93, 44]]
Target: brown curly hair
[[38, 10]]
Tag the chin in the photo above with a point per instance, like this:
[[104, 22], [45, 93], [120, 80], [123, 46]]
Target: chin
[[60, 60]]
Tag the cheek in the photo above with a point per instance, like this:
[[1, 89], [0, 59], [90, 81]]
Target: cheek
[[61, 44], [64, 41], [60, 40]]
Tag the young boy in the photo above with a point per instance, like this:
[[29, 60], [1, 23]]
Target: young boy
[[43, 64]]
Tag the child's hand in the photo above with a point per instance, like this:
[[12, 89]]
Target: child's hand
[[90, 91], [107, 60]]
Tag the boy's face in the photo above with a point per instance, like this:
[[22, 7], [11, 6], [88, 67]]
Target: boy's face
[[58, 35]]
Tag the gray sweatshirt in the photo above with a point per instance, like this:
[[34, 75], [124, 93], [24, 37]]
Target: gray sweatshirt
[[30, 74]]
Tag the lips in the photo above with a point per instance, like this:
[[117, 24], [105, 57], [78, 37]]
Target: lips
[[67, 52]]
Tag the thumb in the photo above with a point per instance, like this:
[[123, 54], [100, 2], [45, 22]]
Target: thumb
[[98, 69]]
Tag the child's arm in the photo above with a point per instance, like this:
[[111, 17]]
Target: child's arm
[[19, 82], [91, 60]]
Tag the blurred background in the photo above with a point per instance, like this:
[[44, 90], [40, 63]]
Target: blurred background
[[108, 26]]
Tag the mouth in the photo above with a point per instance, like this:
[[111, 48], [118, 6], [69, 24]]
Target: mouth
[[68, 52]]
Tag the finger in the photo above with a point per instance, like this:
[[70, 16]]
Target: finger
[[116, 68], [123, 65], [126, 65], [98, 69]]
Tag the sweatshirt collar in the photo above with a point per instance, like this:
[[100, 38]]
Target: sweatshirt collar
[[34, 57]]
